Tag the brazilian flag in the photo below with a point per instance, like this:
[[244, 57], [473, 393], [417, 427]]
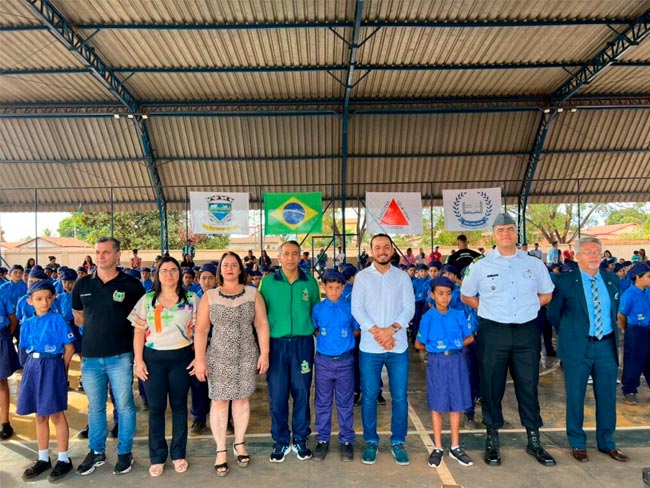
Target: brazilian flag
[[293, 213]]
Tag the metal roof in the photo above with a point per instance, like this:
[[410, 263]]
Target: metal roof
[[275, 96]]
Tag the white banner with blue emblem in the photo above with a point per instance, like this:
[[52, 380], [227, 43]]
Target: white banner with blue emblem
[[219, 213], [473, 209]]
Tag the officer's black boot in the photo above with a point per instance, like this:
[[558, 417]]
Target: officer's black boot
[[492, 456], [534, 448]]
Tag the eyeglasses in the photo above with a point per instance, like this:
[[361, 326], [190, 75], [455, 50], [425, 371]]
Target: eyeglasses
[[168, 271]]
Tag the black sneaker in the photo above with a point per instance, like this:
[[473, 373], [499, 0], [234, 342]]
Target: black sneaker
[[91, 462], [115, 431], [6, 432], [83, 433], [357, 399], [124, 463], [279, 452], [36, 469], [435, 458], [302, 451], [61, 468], [197, 427], [380, 399], [320, 451], [459, 455], [347, 451]]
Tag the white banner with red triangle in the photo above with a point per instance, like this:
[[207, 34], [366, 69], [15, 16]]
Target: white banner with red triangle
[[394, 213]]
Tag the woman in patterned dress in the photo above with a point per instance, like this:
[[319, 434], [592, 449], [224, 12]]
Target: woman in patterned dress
[[164, 320], [233, 360]]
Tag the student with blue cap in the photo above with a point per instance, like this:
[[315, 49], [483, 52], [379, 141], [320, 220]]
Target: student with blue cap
[[3, 275], [9, 362], [147, 282], [43, 390]]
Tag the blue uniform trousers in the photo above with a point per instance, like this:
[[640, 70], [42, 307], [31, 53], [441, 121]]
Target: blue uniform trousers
[[334, 377], [291, 361], [636, 357]]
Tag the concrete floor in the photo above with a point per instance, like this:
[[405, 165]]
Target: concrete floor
[[518, 468]]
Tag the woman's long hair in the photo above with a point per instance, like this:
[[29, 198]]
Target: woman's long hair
[[242, 272], [157, 288]]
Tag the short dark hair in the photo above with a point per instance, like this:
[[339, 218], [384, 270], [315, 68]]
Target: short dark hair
[[135, 251], [461, 238], [380, 235], [112, 240]]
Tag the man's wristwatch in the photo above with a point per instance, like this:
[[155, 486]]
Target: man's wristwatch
[[395, 328]]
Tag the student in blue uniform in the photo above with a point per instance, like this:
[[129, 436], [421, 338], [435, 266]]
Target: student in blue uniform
[[634, 318], [470, 354], [621, 271], [43, 390], [15, 287], [25, 310], [3, 275], [146, 280], [443, 333], [8, 360], [334, 364], [188, 281], [421, 292]]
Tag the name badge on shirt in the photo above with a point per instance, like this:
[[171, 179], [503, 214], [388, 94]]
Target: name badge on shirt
[[118, 296]]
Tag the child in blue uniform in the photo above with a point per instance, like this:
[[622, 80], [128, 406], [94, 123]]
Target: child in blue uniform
[[443, 333], [63, 305], [188, 281], [334, 366], [634, 319], [146, 280], [421, 292], [48, 341], [8, 360]]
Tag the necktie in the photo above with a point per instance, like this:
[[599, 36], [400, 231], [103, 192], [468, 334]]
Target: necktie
[[598, 311]]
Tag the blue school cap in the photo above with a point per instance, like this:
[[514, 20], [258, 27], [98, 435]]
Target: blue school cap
[[449, 268], [436, 264], [421, 267], [442, 281], [16, 267], [133, 272], [67, 274], [189, 272], [348, 271], [145, 270], [618, 267], [637, 269], [604, 265], [38, 273], [41, 285], [3, 270], [333, 275], [209, 267]]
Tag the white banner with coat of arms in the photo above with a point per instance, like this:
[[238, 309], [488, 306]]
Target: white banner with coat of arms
[[219, 213], [473, 209]]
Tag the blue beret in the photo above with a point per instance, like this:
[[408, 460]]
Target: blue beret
[[604, 264], [38, 273], [333, 275], [144, 269], [348, 271], [41, 285], [618, 267], [3, 270], [637, 269], [449, 268], [442, 281], [421, 267], [627, 263], [410, 266], [189, 272], [196, 268], [436, 264], [209, 267], [67, 274], [133, 272], [16, 267]]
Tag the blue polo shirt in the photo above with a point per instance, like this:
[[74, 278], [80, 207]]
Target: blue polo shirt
[[64, 306], [420, 289], [635, 305], [48, 333], [13, 291], [147, 284], [346, 294], [605, 302], [6, 309], [443, 332], [335, 326], [23, 309]]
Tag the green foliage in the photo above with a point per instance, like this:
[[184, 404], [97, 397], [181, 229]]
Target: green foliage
[[560, 222], [136, 230], [628, 215]]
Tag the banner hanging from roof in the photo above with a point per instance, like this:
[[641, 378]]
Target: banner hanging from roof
[[394, 213], [219, 213], [293, 213], [473, 209]]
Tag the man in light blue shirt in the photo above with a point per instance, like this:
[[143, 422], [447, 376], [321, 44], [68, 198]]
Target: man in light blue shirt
[[383, 303], [508, 287]]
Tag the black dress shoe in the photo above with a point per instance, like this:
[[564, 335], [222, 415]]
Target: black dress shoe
[[492, 456], [36, 469], [83, 433], [580, 454], [61, 468], [535, 449], [616, 454], [6, 432]]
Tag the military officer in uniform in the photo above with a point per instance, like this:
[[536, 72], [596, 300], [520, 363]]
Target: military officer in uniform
[[508, 287]]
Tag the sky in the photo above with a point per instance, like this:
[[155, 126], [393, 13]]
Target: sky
[[18, 225]]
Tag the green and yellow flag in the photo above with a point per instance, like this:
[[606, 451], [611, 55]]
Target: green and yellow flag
[[293, 213]]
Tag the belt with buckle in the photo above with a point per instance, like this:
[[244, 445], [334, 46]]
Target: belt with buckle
[[345, 355], [596, 339], [44, 355], [449, 352]]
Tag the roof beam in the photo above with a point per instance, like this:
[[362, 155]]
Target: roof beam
[[631, 36], [323, 68]]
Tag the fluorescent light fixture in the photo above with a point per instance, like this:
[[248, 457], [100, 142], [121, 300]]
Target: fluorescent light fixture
[[116, 116], [131, 116], [560, 110]]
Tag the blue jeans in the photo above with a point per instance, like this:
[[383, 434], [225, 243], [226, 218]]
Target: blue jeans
[[397, 365], [96, 373]]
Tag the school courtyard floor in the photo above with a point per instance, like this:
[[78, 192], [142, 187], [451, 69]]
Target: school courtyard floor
[[518, 469]]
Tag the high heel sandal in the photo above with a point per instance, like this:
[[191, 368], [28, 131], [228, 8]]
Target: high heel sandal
[[243, 459], [221, 469]]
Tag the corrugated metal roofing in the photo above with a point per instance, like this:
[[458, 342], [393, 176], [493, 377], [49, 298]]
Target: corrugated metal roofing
[[388, 152]]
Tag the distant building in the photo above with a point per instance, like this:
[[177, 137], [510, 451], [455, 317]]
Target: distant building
[[612, 232]]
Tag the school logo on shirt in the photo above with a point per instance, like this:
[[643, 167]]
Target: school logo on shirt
[[305, 295], [304, 367], [441, 345], [323, 331], [118, 296]]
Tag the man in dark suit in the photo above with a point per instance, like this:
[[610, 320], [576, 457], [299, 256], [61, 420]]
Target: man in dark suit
[[583, 310]]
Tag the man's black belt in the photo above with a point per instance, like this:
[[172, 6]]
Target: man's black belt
[[596, 339], [508, 325]]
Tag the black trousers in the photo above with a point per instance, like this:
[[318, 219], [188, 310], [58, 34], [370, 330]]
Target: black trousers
[[168, 378], [514, 347]]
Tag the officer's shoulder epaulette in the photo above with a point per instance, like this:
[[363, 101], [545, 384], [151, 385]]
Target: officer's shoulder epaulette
[[478, 258]]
